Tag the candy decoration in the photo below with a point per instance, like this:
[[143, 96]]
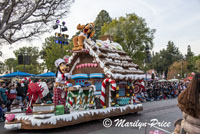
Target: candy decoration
[[113, 88], [83, 102], [117, 88], [80, 93], [70, 98], [117, 95], [10, 117], [93, 99], [89, 97]]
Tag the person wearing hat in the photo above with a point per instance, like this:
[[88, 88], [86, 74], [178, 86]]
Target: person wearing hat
[[61, 77]]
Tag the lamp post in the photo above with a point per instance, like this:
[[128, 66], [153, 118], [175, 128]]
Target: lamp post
[[59, 37], [24, 59], [147, 59]]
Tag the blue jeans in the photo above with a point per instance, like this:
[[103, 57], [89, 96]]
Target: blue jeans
[[19, 98]]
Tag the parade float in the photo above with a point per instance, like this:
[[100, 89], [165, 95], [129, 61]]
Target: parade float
[[98, 82]]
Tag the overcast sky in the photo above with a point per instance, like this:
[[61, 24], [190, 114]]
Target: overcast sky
[[175, 20]]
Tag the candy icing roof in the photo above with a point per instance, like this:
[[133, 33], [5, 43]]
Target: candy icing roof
[[112, 59]]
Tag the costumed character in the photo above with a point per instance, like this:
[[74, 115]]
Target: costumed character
[[87, 31], [189, 104], [60, 83]]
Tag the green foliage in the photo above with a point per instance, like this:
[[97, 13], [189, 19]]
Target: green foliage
[[33, 69], [189, 54], [102, 17], [52, 51], [197, 65], [33, 52], [189, 58], [133, 34], [194, 62], [156, 63], [166, 57], [11, 63]]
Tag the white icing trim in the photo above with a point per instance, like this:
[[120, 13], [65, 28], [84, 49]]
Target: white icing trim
[[76, 62], [13, 126], [71, 57], [43, 108], [73, 115], [42, 116]]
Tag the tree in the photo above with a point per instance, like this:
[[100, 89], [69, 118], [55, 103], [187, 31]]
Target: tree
[[178, 67], [51, 52], [189, 57], [166, 57], [132, 33], [189, 54], [11, 63], [34, 54], [102, 17], [22, 19], [197, 65], [156, 63]]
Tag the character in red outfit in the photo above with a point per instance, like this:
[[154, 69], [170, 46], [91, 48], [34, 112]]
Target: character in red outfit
[[61, 77]]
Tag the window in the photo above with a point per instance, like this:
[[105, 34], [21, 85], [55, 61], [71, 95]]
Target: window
[[98, 84], [121, 90], [80, 81]]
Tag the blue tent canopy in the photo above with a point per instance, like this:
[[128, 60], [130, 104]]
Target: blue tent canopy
[[17, 74], [49, 74]]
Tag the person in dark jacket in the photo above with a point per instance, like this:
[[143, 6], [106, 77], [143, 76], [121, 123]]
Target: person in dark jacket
[[20, 93]]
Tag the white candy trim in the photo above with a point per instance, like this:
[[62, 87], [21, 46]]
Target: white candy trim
[[13, 126]]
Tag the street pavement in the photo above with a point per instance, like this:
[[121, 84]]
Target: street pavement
[[157, 115]]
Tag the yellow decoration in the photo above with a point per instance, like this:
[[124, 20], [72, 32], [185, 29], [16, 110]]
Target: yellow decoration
[[91, 102], [113, 104], [104, 107], [133, 94], [117, 95], [128, 95], [133, 87], [128, 87], [117, 88]]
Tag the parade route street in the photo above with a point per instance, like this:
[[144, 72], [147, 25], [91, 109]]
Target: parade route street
[[165, 112]]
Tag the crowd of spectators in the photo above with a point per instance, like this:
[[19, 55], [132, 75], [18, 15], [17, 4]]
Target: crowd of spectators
[[155, 90], [15, 92]]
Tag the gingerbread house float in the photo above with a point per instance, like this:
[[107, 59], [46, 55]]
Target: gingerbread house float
[[101, 86]]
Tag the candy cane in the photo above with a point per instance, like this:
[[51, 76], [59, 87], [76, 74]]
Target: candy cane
[[83, 102], [113, 88], [89, 97], [70, 98], [80, 93], [93, 99]]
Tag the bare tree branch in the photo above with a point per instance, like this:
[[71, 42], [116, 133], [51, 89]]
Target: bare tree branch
[[22, 19]]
